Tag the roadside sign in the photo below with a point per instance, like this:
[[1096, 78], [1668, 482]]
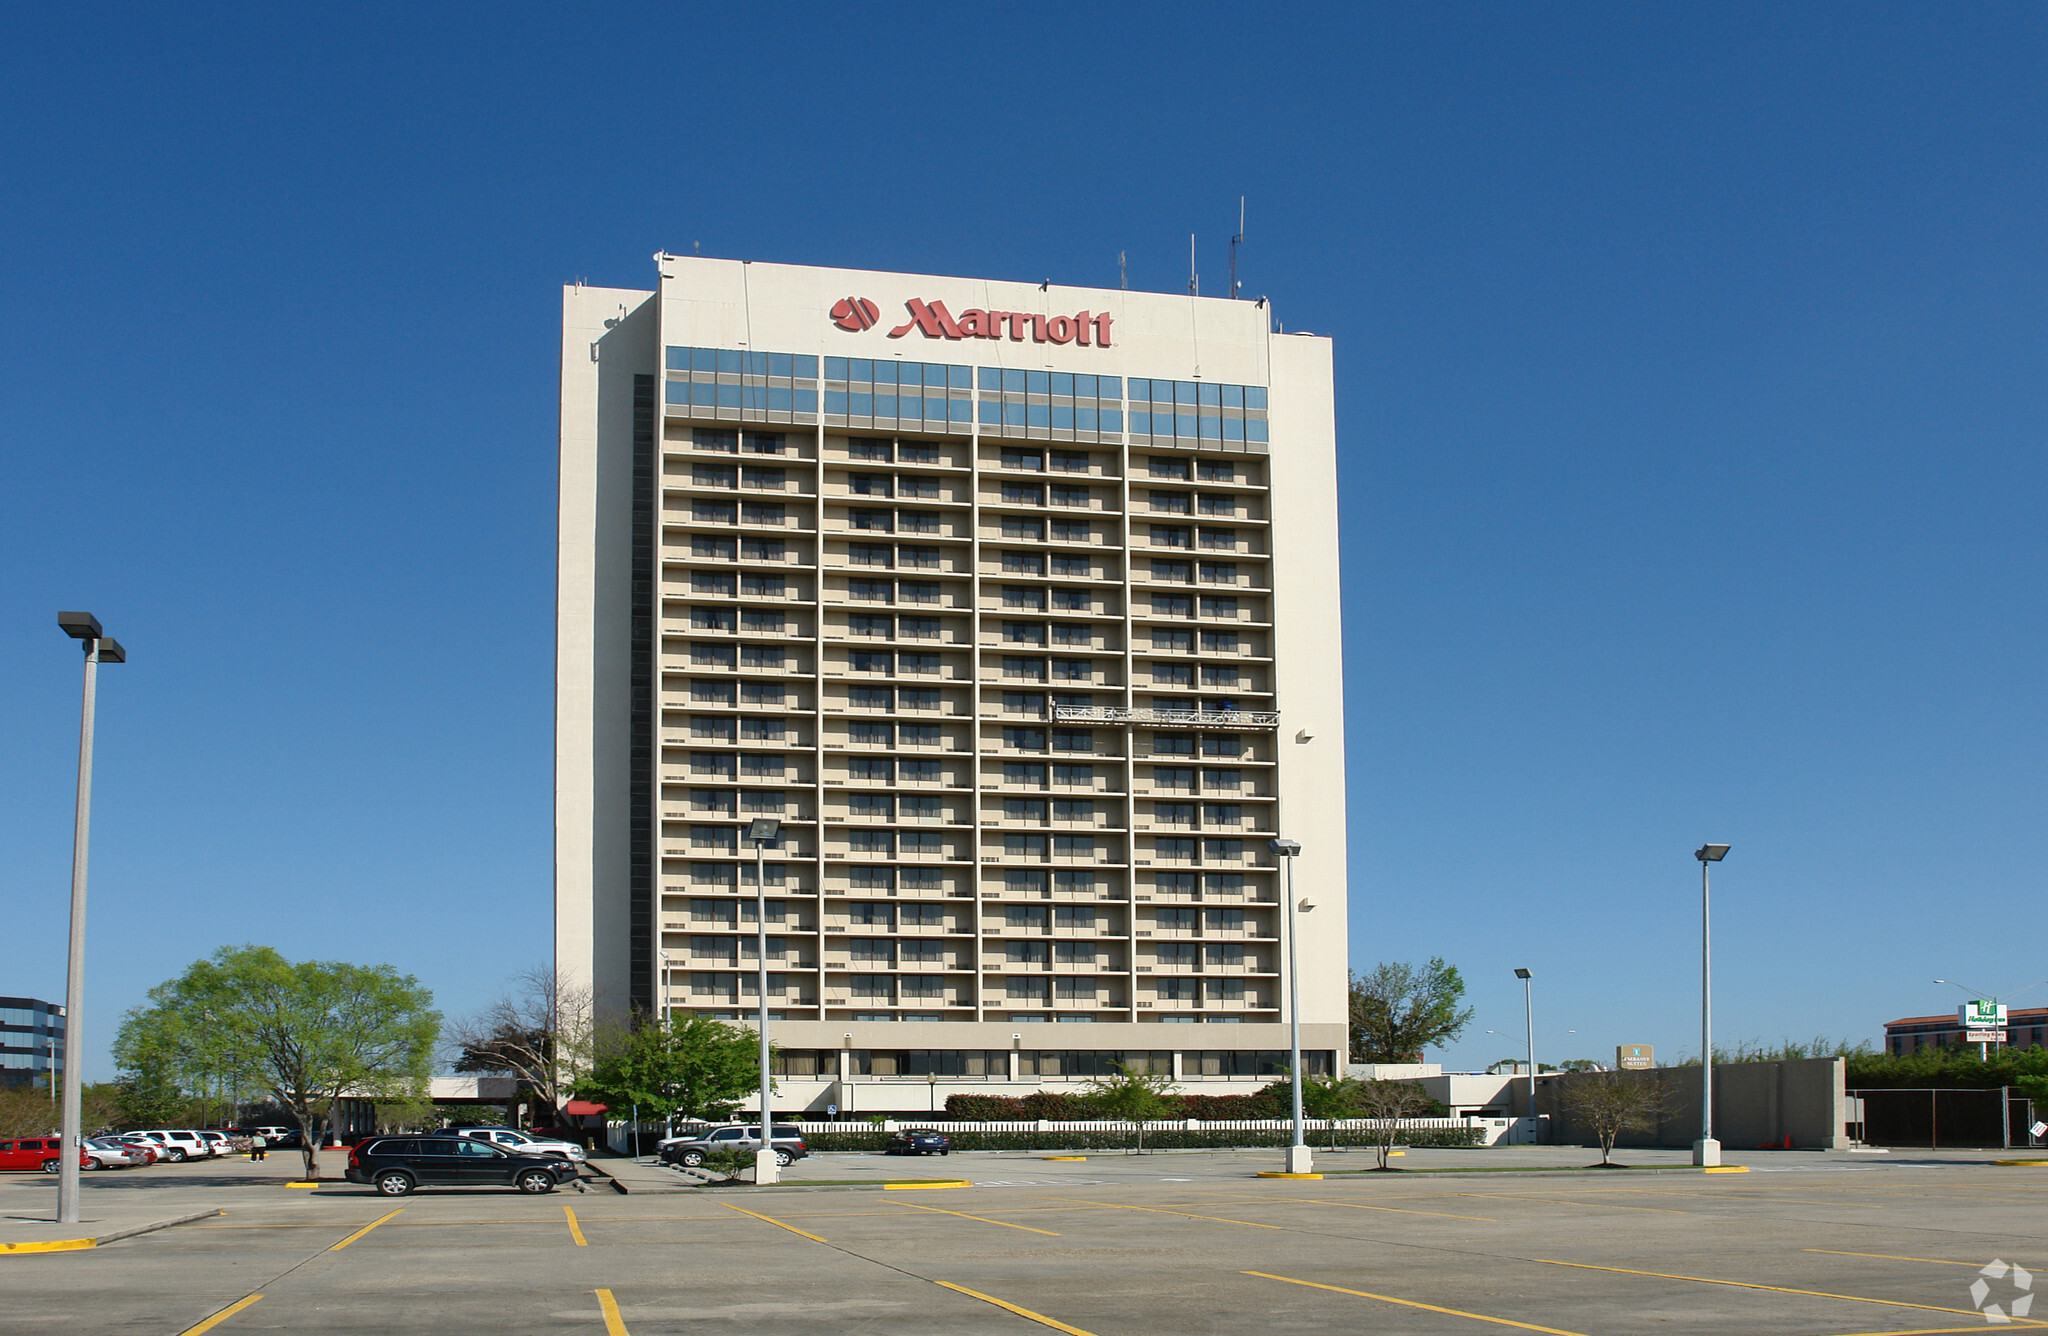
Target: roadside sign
[[1984, 1036], [1982, 1014], [2039, 1129], [1633, 1057], [832, 1110]]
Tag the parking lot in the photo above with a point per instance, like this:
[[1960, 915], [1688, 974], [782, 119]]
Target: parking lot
[[1807, 1244]]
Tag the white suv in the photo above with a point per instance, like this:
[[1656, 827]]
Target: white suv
[[179, 1143], [522, 1143]]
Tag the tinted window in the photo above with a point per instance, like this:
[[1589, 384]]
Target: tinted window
[[396, 1148], [727, 1134], [479, 1149], [450, 1147]]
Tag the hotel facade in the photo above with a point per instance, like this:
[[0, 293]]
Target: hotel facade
[[1016, 606]]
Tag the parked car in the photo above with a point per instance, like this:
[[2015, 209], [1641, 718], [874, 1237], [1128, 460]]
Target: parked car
[[397, 1165], [523, 1143], [918, 1141], [789, 1144], [150, 1150], [179, 1143], [37, 1153], [113, 1153], [221, 1143]]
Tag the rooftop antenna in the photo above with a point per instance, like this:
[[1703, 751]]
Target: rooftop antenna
[[1122, 279], [1235, 242], [697, 247], [1194, 279]]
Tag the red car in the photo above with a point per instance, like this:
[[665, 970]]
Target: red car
[[37, 1153]]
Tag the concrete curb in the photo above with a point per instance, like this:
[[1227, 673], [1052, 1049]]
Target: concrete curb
[[79, 1245]]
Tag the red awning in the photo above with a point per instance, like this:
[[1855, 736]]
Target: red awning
[[581, 1108]]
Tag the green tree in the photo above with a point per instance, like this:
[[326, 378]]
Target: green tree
[[540, 1032], [1329, 1099], [1398, 1010], [1386, 1104], [689, 1065], [1610, 1103], [1132, 1096], [310, 1033]]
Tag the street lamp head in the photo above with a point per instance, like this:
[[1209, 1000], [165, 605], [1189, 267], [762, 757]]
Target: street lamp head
[[1285, 848], [763, 830], [79, 625], [1521, 974], [111, 651], [1711, 853]]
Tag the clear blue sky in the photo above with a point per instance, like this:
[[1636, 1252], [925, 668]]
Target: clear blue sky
[[1690, 390]]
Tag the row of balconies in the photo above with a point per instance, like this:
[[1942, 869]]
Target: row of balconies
[[950, 458]]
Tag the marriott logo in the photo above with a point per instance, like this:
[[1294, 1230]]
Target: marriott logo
[[934, 321]]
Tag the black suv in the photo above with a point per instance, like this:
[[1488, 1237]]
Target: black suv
[[397, 1165]]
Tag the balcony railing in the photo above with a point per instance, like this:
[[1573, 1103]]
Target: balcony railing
[[1119, 714]]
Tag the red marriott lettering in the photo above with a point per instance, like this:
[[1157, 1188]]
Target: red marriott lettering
[[934, 321]]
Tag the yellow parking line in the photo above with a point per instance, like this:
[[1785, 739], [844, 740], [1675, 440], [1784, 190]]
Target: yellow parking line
[[1357, 1206], [984, 1219], [1560, 1201], [364, 1230], [614, 1325], [575, 1230], [1747, 1189], [1776, 1289], [220, 1317], [1039, 1318], [1188, 1215], [1888, 1257], [771, 1220], [1410, 1303]]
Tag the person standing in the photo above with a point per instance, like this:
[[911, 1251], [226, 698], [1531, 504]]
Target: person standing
[[258, 1147]]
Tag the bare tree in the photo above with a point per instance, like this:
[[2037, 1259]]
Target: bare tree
[[1610, 1103], [1384, 1104], [540, 1033]]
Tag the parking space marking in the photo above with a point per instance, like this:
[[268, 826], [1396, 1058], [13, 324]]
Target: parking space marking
[[1888, 1257], [364, 1230], [1410, 1303], [1559, 1201], [614, 1325], [220, 1317], [1039, 1318], [772, 1220], [1359, 1206], [1746, 1196], [1778, 1289], [575, 1230], [1155, 1210], [984, 1219]]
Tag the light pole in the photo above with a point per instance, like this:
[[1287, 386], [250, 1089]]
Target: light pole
[[668, 1121], [762, 832], [1707, 1151], [1529, 1022], [1298, 1158], [82, 626]]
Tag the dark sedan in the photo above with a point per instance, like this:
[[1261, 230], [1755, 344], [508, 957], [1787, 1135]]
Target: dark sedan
[[397, 1165], [919, 1141]]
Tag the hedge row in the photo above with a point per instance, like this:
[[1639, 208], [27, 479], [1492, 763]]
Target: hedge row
[[1159, 1138], [1056, 1108]]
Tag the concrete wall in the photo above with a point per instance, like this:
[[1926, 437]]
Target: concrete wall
[[1756, 1104]]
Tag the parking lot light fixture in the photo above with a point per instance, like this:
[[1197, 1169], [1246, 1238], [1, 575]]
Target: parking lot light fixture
[[85, 628], [1298, 1157], [1706, 1152], [1529, 1022], [762, 832]]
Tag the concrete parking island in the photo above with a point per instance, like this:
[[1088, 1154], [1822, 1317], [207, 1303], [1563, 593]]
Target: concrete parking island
[[1805, 1244]]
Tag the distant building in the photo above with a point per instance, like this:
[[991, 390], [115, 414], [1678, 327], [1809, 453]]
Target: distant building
[[31, 1040], [2024, 1029]]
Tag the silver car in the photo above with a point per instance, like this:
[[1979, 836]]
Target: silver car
[[789, 1144]]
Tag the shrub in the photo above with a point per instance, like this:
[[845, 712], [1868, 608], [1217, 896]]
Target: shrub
[[1159, 1138]]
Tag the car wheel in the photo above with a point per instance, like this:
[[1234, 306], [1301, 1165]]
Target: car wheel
[[692, 1158], [536, 1181], [947, 1151], [95, 1164], [392, 1183], [177, 1155], [50, 1166], [782, 1157]]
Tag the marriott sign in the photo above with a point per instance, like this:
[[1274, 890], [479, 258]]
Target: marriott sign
[[934, 321]]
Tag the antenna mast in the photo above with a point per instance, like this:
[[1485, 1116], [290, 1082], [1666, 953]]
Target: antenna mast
[[1235, 242], [1194, 279], [1122, 280]]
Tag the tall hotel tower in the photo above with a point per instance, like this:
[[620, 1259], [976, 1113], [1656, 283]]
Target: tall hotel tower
[[1017, 606]]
